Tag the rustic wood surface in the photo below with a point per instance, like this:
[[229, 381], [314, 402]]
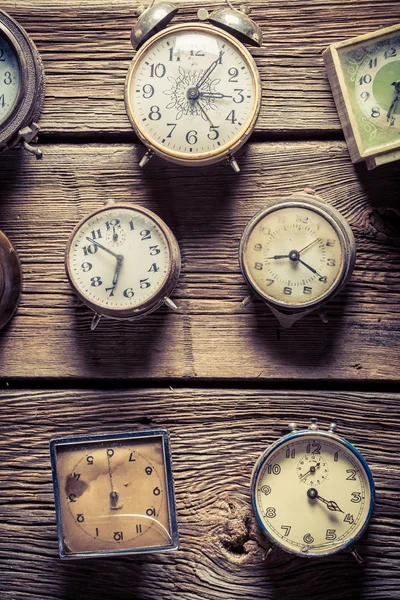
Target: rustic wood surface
[[248, 377], [216, 436]]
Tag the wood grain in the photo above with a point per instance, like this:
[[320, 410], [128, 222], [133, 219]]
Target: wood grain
[[86, 51], [214, 335], [216, 436]]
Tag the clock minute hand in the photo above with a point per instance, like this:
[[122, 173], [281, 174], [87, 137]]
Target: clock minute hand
[[310, 268], [207, 73], [102, 247], [396, 98], [120, 260]]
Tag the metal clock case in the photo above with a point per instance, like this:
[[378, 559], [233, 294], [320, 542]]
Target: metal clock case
[[22, 87], [313, 493], [296, 254], [10, 280], [114, 494], [364, 73], [123, 262], [193, 91]]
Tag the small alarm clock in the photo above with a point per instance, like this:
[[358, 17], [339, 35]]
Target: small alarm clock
[[313, 493], [364, 73], [21, 87], [296, 254], [114, 494], [10, 280], [123, 262], [193, 90]]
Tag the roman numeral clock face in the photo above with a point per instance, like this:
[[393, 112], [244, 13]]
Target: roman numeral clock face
[[193, 94]]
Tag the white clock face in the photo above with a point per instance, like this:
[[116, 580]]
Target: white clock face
[[293, 256], [192, 93], [10, 79], [312, 495], [119, 258]]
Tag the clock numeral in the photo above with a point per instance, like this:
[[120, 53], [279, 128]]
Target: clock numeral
[[118, 536], [153, 268], [239, 98], [173, 125], [390, 53], [375, 112], [258, 266], [77, 476], [171, 55], [336, 456], [110, 452], [365, 79], [392, 122], [266, 490], [111, 290], [154, 114], [214, 131], [148, 91], [257, 247], [231, 117], [330, 534], [233, 72], [330, 242], [96, 281], [323, 278], [349, 519], [2, 58], [356, 497], [364, 96], [2, 101], [7, 78], [144, 283], [72, 497], [270, 512], [148, 470], [154, 250], [156, 491], [89, 460], [131, 224], [308, 538], [145, 234], [129, 293], [373, 63], [158, 70], [96, 234], [151, 512], [307, 290], [197, 53], [313, 448], [80, 518], [86, 266], [269, 282], [138, 529], [331, 262], [191, 137], [286, 529], [291, 453], [287, 291], [131, 459], [275, 469], [352, 476], [92, 249], [300, 219], [111, 224]]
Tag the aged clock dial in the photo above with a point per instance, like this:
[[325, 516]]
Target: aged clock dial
[[123, 261], [114, 494], [193, 94], [312, 492], [10, 78]]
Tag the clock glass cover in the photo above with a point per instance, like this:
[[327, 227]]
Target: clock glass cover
[[10, 79]]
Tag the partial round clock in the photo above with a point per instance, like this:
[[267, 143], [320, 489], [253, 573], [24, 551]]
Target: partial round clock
[[114, 494], [296, 254], [193, 90], [123, 262], [312, 493], [364, 73], [10, 280], [21, 87]]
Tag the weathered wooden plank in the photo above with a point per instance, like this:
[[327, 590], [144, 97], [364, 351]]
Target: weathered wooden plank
[[216, 436], [214, 334], [86, 51]]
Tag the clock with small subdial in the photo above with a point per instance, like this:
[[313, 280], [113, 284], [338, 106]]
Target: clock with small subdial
[[296, 254], [123, 262]]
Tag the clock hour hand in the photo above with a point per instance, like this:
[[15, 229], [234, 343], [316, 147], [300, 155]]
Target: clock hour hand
[[120, 260], [213, 95], [331, 504], [102, 247], [277, 256], [396, 99]]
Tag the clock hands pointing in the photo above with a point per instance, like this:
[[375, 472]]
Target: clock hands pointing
[[294, 256], [331, 504], [396, 99], [119, 257]]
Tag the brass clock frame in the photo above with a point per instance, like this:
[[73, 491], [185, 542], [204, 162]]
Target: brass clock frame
[[206, 158]]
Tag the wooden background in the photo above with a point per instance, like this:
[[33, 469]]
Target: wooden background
[[220, 374]]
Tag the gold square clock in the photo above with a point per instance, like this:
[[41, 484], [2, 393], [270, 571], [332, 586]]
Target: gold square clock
[[114, 494], [364, 73]]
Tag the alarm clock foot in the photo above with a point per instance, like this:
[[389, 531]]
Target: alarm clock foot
[[233, 162], [268, 552], [29, 134], [146, 158], [169, 303], [323, 316], [95, 321], [357, 557]]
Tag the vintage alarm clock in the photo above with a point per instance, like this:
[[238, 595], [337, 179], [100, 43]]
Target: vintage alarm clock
[[312, 493], [114, 494], [364, 73], [10, 280], [123, 262], [193, 90], [296, 254], [21, 87]]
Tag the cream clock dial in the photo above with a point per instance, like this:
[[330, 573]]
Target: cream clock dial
[[123, 261], [296, 253], [193, 94], [10, 76], [313, 493]]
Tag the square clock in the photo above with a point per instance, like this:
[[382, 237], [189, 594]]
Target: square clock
[[114, 494], [364, 73]]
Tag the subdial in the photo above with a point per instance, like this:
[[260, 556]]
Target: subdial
[[312, 469], [115, 236]]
